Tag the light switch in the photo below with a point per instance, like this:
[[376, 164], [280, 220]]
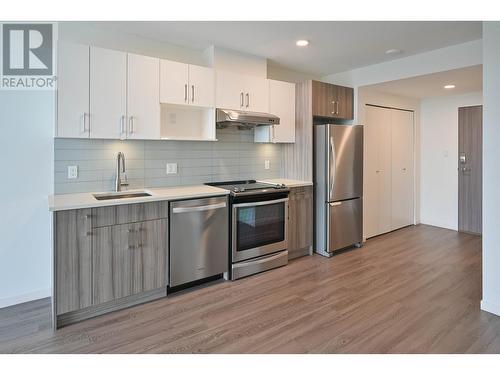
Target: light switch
[[266, 164], [171, 168], [72, 171]]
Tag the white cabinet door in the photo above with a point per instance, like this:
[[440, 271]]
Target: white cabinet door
[[73, 91], [143, 97], [402, 169], [201, 86], [256, 94], [108, 93], [174, 82], [229, 90], [282, 104]]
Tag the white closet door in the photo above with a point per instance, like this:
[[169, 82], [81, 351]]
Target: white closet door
[[73, 91], [377, 175], [108, 93], [402, 169], [143, 97]]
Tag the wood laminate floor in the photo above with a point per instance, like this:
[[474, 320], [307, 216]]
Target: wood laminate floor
[[416, 290]]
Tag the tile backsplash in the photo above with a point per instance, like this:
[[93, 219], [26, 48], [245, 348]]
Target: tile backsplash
[[235, 156]]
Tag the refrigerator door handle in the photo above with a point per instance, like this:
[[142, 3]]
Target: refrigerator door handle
[[335, 203], [332, 167]]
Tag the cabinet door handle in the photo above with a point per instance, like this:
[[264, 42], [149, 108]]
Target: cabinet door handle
[[248, 100], [84, 125], [241, 99], [192, 93], [122, 124], [333, 104], [131, 124], [185, 92], [337, 110]]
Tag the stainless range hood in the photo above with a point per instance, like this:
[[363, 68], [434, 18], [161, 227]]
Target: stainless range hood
[[243, 120]]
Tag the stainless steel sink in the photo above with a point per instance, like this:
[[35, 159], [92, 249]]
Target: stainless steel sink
[[121, 195]]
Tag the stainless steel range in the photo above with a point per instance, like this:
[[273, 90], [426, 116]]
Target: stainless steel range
[[258, 226]]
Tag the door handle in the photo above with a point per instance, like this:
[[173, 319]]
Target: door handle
[[179, 210], [131, 124], [84, 125], [185, 92], [337, 108], [335, 204], [333, 105], [192, 93], [122, 124], [241, 99], [248, 99]]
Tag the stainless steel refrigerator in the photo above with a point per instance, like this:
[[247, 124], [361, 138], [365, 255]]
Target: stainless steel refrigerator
[[338, 181]]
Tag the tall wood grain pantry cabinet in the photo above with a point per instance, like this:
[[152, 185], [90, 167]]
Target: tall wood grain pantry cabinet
[[389, 170]]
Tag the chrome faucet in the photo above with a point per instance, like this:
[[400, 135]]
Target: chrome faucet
[[121, 180]]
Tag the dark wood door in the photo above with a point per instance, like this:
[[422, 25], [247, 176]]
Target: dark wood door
[[73, 266], [300, 221], [129, 259], [345, 103], [323, 98], [470, 125], [332, 101]]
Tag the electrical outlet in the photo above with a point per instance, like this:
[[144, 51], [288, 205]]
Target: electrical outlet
[[266, 164], [171, 168], [72, 172]]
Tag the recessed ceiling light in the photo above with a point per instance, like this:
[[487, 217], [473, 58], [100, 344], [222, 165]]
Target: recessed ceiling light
[[302, 43], [393, 51], [449, 86]]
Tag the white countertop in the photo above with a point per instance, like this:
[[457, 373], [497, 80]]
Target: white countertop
[[289, 183], [63, 202]]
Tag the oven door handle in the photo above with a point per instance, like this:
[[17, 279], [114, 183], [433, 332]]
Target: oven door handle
[[263, 203]]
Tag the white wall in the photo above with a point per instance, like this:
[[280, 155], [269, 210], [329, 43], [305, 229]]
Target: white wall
[[26, 162], [438, 158], [491, 167]]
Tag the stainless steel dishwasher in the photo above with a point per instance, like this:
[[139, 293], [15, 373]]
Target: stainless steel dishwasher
[[199, 239]]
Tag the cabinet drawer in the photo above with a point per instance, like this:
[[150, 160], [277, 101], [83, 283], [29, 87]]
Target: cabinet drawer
[[128, 213]]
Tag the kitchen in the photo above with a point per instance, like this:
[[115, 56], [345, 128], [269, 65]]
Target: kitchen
[[210, 200]]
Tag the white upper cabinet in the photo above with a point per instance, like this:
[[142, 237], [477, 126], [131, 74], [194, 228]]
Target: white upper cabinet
[[143, 97], [201, 86], [186, 84], [256, 94], [241, 92], [281, 104], [174, 82], [73, 91], [108, 93]]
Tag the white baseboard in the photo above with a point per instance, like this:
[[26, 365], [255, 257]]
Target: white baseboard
[[14, 300], [438, 224], [490, 307]]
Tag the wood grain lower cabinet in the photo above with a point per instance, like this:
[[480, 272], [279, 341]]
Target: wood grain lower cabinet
[[129, 259], [300, 221], [73, 257]]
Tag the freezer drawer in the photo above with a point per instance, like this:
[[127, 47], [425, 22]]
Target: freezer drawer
[[199, 239], [345, 223]]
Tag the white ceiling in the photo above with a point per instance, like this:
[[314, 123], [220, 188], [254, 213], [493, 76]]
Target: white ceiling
[[466, 80], [335, 46]]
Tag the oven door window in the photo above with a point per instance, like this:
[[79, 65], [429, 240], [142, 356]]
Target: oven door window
[[260, 225]]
